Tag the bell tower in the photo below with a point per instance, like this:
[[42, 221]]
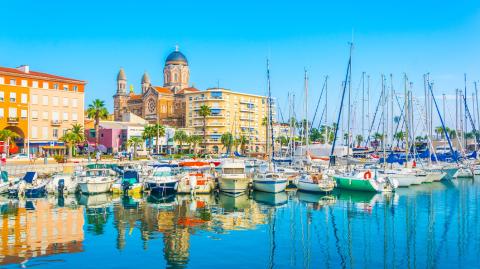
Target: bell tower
[[121, 97]]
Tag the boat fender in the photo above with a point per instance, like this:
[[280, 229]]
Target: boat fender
[[367, 175], [414, 164]]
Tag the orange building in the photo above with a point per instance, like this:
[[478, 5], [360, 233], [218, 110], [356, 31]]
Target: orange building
[[39, 107]]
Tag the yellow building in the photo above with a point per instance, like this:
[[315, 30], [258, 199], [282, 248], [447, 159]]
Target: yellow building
[[39, 107], [240, 114]]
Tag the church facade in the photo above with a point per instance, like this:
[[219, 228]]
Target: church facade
[[157, 104]]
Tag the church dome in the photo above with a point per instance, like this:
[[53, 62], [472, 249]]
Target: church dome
[[176, 57]]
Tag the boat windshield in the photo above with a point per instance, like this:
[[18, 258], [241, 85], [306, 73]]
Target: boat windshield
[[233, 170], [161, 174], [97, 173]]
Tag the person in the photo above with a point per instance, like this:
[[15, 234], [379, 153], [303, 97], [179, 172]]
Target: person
[[4, 158], [97, 156]]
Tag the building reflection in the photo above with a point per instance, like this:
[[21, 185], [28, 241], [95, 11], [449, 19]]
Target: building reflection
[[41, 227]]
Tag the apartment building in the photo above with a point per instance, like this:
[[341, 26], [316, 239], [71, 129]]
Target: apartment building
[[39, 107], [238, 113]]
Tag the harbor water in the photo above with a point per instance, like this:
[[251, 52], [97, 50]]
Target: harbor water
[[433, 225]]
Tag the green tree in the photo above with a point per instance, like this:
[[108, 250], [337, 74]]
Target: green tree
[[77, 135], [242, 141], [315, 135], [8, 136], [180, 137], [439, 132], [359, 139], [204, 112], [282, 140], [97, 111], [194, 140], [227, 141], [149, 132], [134, 141]]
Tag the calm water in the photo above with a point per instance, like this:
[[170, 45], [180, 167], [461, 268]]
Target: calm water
[[428, 226]]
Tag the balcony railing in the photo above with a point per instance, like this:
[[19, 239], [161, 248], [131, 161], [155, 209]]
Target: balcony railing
[[12, 120], [56, 122]]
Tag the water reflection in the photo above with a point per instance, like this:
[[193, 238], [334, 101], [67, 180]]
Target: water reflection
[[430, 225]]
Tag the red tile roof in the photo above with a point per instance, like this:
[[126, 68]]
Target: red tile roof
[[162, 90], [135, 96], [34, 74], [190, 89]]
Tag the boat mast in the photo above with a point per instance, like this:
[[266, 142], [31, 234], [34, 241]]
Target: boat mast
[[363, 104], [305, 132], [349, 108], [326, 110], [407, 117], [384, 102], [270, 117]]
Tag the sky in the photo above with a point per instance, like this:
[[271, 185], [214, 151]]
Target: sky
[[227, 44]]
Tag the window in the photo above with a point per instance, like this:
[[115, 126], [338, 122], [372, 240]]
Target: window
[[64, 131], [65, 87], [55, 101], [45, 85], [35, 84], [1, 113], [92, 133], [45, 100], [65, 116], [2, 96], [2, 80], [23, 113], [55, 133], [34, 114], [13, 82], [12, 112], [23, 99], [44, 132], [65, 101], [75, 88], [34, 99], [55, 86], [74, 116], [55, 116], [24, 83], [34, 132], [74, 102], [13, 97], [45, 115]]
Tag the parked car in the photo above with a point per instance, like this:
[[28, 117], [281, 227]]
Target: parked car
[[19, 156]]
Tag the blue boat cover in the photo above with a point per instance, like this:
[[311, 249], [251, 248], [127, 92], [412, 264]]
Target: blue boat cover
[[30, 177], [237, 154]]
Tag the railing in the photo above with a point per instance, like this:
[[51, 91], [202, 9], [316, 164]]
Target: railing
[[56, 122], [12, 120]]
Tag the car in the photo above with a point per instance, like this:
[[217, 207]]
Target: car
[[19, 156]]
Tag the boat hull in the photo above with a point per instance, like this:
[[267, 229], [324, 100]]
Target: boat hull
[[202, 186], [355, 184], [233, 185], [95, 187], [161, 188], [314, 187], [272, 186]]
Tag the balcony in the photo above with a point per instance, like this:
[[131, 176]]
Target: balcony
[[12, 120], [56, 123]]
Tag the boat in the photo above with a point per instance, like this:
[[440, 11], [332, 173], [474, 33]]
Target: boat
[[476, 170], [272, 182], [365, 181], [30, 186], [162, 181], [62, 184], [6, 182], [200, 181], [129, 184], [404, 177], [96, 180], [233, 179], [463, 172], [271, 199], [315, 182]]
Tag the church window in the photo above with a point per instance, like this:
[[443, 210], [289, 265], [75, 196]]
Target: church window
[[176, 77]]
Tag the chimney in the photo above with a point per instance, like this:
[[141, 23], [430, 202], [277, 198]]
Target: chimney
[[24, 68]]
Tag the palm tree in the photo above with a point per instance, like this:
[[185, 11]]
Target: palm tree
[[134, 141], [97, 111], [8, 136], [194, 140], [148, 134], [359, 139], [69, 139], [204, 112], [227, 141], [78, 135], [439, 131], [159, 132], [180, 137], [242, 141]]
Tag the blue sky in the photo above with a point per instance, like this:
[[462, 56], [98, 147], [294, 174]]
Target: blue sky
[[228, 42]]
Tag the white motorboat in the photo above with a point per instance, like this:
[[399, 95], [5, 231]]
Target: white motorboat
[[200, 181], [234, 178], [62, 184], [163, 181], [96, 180], [270, 182], [405, 176], [315, 182]]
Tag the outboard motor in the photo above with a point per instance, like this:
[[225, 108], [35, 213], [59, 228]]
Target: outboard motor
[[125, 187], [61, 187]]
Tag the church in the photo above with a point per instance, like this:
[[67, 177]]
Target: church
[[164, 105]]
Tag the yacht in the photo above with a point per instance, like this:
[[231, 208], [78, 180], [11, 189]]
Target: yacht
[[162, 181], [315, 182], [96, 180], [234, 178], [270, 182]]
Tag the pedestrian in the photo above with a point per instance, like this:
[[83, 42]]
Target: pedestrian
[[97, 156]]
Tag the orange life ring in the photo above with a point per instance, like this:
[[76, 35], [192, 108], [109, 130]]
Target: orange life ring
[[367, 175]]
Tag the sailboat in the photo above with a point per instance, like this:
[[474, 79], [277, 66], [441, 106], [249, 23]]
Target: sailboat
[[311, 180], [270, 180]]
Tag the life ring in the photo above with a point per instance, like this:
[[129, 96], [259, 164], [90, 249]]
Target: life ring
[[367, 175]]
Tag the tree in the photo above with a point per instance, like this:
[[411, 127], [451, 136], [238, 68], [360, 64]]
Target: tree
[[227, 141], [69, 140], [97, 111], [359, 139], [282, 140], [149, 132], [204, 112], [194, 140], [242, 141], [159, 132], [315, 135], [134, 141], [8, 136], [180, 137], [77, 135], [439, 132]]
